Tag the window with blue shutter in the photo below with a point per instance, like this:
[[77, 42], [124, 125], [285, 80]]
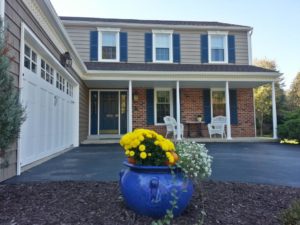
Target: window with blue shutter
[[148, 47], [150, 106], [231, 48], [233, 107], [204, 48], [123, 47], [176, 48], [207, 106], [94, 46]]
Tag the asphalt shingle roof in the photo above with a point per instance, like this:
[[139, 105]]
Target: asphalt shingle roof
[[160, 22], [173, 67]]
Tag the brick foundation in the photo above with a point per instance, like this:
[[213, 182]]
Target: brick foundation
[[191, 106]]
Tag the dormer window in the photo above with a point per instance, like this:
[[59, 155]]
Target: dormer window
[[109, 45], [162, 46], [217, 45]]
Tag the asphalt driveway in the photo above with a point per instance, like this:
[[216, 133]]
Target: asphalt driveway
[[265, 163]]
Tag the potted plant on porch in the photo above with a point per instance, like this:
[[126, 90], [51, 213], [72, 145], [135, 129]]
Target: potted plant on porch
[[153, 184]]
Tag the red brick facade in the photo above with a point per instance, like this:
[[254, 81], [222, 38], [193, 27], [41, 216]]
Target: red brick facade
[[192, 105]]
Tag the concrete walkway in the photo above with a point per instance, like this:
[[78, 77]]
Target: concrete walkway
[[265, 163]]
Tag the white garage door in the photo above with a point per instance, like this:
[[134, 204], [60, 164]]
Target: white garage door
[[50, 108]]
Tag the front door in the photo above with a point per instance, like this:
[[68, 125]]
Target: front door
[[109, 112]]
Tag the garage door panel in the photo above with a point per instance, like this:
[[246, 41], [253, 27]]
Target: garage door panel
[[49, 116]]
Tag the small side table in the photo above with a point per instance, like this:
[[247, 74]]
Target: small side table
[[189, 123]]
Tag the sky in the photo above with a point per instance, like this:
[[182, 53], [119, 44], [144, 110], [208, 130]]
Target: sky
[[276, 23]]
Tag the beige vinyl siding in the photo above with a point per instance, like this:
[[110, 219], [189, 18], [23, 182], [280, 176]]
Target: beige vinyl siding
[[190, 46], [80, 37], [241, 47], [136, 45]]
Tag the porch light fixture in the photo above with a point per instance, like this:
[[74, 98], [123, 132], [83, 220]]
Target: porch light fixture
[[66, 59]]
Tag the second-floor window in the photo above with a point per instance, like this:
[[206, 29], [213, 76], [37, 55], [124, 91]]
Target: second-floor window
[[162, 47], [218, 52], [109, 46]]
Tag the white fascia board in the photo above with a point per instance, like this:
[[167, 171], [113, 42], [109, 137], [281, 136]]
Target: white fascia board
[[48, 9], [187, 76], [160, 26]]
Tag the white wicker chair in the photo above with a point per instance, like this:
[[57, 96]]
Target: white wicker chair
[[217, 126], [171, 126]]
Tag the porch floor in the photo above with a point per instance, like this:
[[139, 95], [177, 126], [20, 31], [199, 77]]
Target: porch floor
[[114, 140]]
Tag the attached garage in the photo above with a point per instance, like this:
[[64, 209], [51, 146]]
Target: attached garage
[[50, 96]]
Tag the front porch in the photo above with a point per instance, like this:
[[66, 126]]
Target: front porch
[[136, 105], [95, 140]]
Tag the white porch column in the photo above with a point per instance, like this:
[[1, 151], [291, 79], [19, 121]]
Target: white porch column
[[228, 122], [178, 111], [274, 112], [130, 106]]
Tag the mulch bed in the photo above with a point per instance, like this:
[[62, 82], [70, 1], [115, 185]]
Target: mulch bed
[[100, 203]]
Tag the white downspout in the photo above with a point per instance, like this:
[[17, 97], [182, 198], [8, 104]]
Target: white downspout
[[228, 121], [130, 106], [249, 37], [178, 111], [274, 112]]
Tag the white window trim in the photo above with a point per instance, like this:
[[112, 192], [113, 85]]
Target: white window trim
[[211, 33], [170, 33], [100, 30], [211, 100], [155, 103], [2, 11]]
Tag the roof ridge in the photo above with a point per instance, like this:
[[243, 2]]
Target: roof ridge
[[152, 21]]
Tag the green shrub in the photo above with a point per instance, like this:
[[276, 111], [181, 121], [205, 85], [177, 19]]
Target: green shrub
[[291, 216], [290, 129]]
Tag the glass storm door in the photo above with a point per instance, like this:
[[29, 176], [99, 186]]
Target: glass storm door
[[109, 112]]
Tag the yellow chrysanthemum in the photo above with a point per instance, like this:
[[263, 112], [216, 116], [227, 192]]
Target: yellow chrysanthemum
[[171, 159], [141, 137], [135, 143], [168, 154], [165, 146], [131, 153], [149, 154], [143, 155], [156, 142], [142, 148], [127, 152]]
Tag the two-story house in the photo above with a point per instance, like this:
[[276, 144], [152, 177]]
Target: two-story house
[[178, 68], [125, 74]]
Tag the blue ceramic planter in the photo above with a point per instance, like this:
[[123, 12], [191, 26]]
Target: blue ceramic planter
[[147, 189]]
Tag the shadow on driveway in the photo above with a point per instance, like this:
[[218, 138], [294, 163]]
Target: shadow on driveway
[[265, 163]]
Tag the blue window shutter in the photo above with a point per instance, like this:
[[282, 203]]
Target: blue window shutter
[[231, 49], [94, 112], [94, 46], [176, 48], [174, 104], [204, 48], [123, 47], [148, 47], [207, 106], [233, 107], [150, 106]]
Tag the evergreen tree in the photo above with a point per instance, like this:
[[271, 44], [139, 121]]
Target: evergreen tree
[[11, 111], [294, 93]]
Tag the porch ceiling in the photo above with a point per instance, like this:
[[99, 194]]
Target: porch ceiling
[[123, 84]]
